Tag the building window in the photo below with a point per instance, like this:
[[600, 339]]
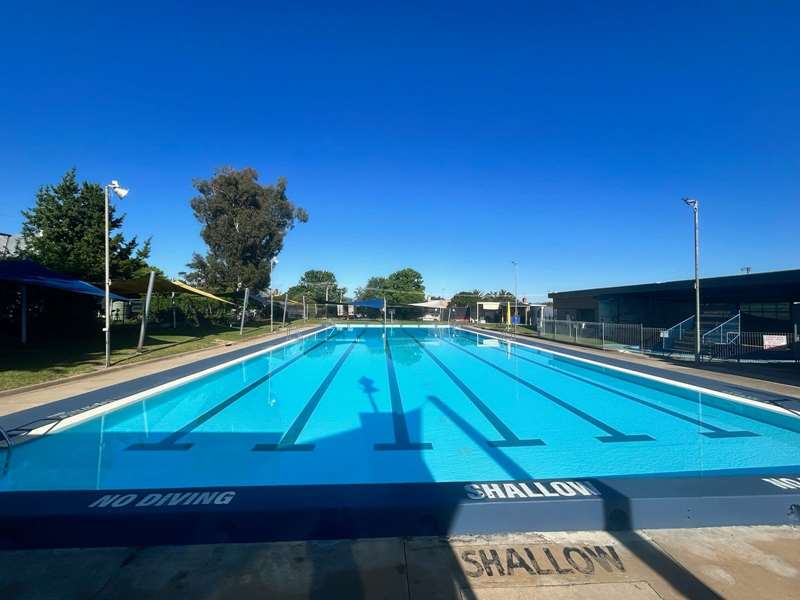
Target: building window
[[768, 310]]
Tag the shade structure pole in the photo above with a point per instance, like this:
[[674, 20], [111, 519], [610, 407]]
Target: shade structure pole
[[24, 315], [285, 306], [143, 330], [244, 309]]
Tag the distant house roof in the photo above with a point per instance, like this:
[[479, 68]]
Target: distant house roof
[[10, 245], [28, 272]]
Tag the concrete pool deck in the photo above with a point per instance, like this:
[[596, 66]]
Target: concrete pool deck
[[730, 562]]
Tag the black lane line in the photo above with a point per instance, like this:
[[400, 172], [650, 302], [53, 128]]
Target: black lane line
[[289, 439], [714, 431], [401, 438], [510, 439], [614, 435], [169, 442]]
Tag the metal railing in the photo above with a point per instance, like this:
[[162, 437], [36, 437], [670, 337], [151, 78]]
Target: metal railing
[[9, 447], [754, 346], [676, 333], [735, 345], [620, 336], [724, 333]]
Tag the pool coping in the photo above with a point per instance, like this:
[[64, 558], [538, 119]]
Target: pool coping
[[279, 513], [82, 518]]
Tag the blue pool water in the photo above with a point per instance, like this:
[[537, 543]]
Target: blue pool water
[[368, 405]]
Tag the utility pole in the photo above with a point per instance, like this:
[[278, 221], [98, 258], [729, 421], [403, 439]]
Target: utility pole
[[695, 206]]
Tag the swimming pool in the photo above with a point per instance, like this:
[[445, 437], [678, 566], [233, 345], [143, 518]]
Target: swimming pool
[[375, 406], [368, 405]]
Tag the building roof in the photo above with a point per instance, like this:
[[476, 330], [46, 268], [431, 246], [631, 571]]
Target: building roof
[[789, 278]]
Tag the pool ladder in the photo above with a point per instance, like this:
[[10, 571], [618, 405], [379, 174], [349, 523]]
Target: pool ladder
[[9, 446]]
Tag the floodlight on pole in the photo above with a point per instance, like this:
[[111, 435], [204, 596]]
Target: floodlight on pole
[[516, 271], [120, 192], [695, 206]]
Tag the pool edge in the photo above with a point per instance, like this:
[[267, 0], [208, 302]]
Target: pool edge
[[279, 513]]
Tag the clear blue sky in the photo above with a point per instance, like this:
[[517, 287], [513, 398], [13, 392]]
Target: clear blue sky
[[450, 138]]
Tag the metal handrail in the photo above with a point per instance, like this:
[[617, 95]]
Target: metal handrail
[[9, 446], [721, 328], [682, 322], [679, 326]]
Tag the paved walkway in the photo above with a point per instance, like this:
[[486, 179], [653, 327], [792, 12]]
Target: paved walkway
[[733, 563]]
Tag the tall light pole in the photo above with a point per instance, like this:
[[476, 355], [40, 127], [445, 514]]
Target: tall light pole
[[272, 262], [121, 192], [695, 206], [516, 271]]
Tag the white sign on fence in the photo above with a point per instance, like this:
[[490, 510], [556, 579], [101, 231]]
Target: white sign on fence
[[664, 334], [774, 341]]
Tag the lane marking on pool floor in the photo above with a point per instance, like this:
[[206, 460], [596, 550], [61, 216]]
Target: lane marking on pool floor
[[96, 411], [714, 431], [170, 441], [614, 435], [510, 439], [289, 440], [402, 441], [759, 404]]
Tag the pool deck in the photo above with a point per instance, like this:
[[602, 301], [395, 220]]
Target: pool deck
[[730, 562]]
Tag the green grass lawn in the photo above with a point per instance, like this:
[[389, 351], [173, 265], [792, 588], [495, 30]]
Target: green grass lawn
[[46, 360]]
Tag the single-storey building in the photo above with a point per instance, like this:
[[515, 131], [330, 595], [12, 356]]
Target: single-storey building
[[767, 301]]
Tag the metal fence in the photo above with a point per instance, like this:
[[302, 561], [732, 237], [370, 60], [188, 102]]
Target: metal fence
[[619, 336], [754, 346], [724, 344]]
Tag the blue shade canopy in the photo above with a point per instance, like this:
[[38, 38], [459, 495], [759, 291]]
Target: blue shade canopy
[[27, 272], [376, 303]]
